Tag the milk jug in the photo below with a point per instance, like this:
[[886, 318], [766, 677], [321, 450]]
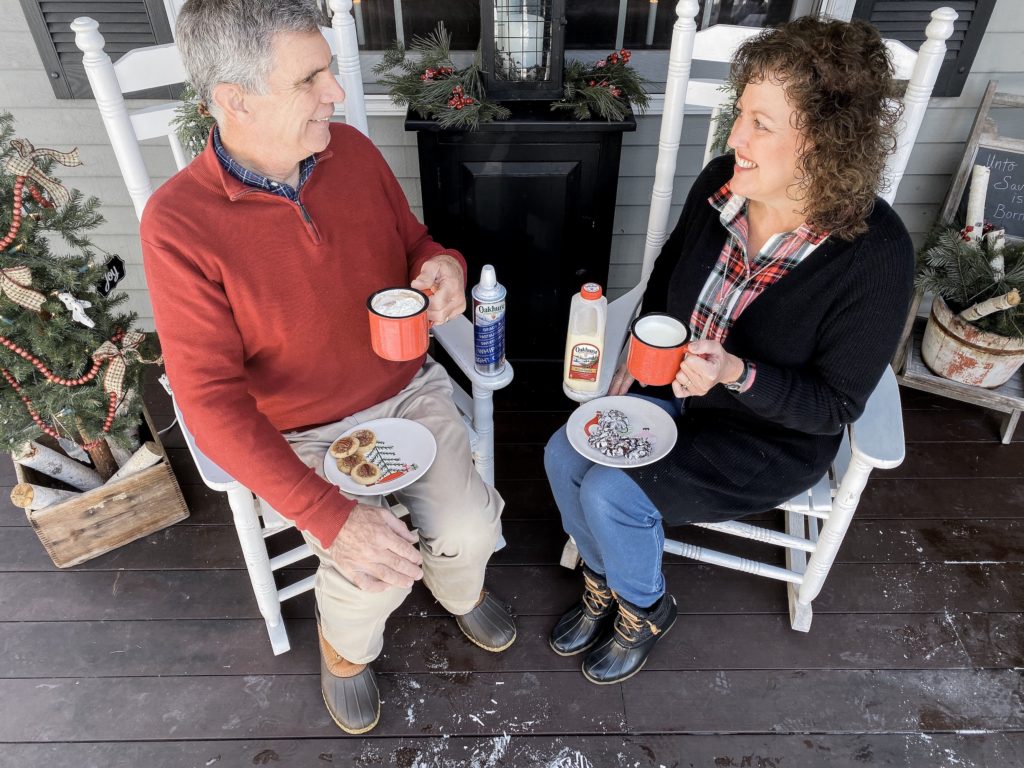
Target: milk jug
[[584, 342]]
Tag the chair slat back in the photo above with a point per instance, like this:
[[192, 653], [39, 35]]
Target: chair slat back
[[160, 65], [150, 67]]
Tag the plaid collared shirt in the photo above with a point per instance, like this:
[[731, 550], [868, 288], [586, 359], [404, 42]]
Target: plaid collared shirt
[[253, 179], [736, 280]]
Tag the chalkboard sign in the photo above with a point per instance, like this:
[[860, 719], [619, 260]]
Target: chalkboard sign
[[1004, 156], [1004, 202]]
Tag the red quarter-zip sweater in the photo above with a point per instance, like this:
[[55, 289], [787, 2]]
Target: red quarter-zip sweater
[[262, 315]]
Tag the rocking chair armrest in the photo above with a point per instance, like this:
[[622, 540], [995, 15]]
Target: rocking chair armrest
[[877, 436], [212, 475], [456, 338]]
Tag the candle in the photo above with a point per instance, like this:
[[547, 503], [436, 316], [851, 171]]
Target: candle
[[620, 31], [976, 203], [399, 27], [652, 12], [357, 4]]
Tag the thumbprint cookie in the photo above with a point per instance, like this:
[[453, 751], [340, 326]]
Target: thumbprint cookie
[[347, 463], [344, 446], [366, 473], [366, 440]]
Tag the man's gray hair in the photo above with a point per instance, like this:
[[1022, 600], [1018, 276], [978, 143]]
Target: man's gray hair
[[231, 41]]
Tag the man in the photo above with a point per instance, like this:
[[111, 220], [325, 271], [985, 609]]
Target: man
[[260, 257]]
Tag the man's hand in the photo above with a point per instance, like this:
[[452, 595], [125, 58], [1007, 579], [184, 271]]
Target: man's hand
[[706, 364], [443, 275], [374, 550]]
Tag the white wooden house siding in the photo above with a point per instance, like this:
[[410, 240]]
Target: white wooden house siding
[[47, 121]]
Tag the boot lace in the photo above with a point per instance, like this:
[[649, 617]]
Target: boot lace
[[596, 597], [630, 627]]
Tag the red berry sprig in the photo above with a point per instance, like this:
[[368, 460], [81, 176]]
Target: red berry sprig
[[19, 188], [434, 73], [459, 99]]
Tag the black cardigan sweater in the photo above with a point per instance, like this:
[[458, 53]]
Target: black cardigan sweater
[[821, 338]]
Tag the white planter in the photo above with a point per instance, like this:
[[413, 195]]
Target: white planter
[[956, 350]]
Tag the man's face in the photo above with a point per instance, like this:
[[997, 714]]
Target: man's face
[[289, 121]]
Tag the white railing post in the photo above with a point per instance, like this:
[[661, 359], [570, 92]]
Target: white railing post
[[107, 92], [919, 90], [349, 71], [683, 34]]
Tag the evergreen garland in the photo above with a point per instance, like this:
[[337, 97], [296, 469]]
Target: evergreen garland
[[605, 89], [192, 121], [429, 84], [724, 121], [961, 273], [51, 335]]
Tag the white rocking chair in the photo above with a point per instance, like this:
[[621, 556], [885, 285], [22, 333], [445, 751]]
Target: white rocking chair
[[816, 520], [160, 65]]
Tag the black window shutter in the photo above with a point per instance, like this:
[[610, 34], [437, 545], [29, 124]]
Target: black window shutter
[[124, 24], [905, 20]]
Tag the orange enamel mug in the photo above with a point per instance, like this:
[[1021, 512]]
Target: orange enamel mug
[[399, 329], [657, 345]]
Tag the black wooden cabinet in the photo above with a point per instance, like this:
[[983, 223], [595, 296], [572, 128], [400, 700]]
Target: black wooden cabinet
[[535, 197]]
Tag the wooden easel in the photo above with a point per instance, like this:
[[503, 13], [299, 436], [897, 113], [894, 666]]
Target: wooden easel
[[911, 370]]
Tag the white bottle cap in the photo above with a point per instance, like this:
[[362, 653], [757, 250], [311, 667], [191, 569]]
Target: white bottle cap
[[487, 277]]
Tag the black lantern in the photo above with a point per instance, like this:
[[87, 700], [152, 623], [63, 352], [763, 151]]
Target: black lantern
[[522, 45]]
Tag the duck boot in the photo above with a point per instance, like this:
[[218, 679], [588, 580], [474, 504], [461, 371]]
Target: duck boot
[[637, 630], [490, 624], [583, 625], [349, 690]]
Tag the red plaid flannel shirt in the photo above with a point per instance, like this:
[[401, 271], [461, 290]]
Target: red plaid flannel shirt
[[736, 280]]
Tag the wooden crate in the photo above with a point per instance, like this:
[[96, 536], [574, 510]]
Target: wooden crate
[[107, 517]]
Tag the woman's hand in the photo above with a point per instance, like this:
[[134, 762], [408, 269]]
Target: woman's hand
[[621, 381], [705, 365]]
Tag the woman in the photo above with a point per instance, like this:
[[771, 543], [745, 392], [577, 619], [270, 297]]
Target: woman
[[794, 279]]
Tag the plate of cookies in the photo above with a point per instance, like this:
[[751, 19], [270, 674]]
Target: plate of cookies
[[380, 456], [621, 431]]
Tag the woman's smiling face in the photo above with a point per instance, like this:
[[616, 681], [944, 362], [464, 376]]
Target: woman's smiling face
[[767, 146]]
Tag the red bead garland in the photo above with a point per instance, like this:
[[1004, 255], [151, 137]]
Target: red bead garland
[[48, 374], [38, 197], [107, 422], [19, 186]]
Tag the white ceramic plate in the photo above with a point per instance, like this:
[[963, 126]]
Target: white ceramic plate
[[645, 420], [404, 451]]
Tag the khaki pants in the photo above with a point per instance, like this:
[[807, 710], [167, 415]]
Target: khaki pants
[[456, 512]]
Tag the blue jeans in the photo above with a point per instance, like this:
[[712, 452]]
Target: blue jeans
[[617, 529]]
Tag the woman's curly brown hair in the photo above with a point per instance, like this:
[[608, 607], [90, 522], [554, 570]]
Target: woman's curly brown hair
[[839, 79]]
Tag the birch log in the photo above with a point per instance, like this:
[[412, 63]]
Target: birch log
[[996, 241], [121, 455], [995, 304], [976, 203], [57, 466], [29, 496], [146, 456]]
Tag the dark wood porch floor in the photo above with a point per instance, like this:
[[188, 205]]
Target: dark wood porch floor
[[155, 654]]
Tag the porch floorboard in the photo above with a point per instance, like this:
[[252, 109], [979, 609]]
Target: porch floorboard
[[156, 655]]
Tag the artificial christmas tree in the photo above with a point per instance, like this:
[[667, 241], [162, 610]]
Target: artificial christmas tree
[[71, 364]]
